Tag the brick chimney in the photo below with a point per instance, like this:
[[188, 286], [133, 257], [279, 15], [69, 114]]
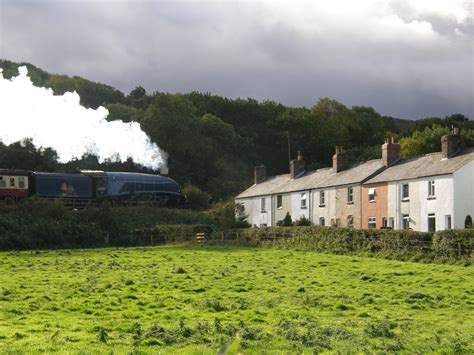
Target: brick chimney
[[390, 152], [450, 144], [339, 161], [297, 166], [260, 174]]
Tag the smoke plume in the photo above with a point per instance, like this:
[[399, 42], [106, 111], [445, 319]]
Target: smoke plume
[[60, 122]]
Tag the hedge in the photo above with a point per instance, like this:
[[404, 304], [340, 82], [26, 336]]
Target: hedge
[[40, 224], [397, 244]]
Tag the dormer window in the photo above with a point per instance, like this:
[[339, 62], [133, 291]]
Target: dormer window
[[372, 194]]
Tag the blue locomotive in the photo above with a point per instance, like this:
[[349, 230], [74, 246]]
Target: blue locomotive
[[91, 186]]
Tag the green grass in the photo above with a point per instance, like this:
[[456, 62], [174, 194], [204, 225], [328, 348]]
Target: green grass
[[203, 299]]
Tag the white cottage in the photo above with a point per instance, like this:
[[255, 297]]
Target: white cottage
[[329, 196], [430, 192]]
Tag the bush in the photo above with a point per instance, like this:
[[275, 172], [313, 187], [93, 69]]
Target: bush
[[227, 215], [285, 222], [197, 199]]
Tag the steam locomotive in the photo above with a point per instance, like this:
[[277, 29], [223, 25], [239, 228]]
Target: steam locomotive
[[91, 186]]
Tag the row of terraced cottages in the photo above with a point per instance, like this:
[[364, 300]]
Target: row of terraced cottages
[[425, 193]]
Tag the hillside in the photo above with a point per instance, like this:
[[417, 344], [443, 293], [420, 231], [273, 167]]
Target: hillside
[[214, 142]]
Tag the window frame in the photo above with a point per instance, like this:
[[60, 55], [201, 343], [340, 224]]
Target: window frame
[[322, 198], [431, 189], [279, 202], [350, 221], [373, 194], [350, 195], [448, 222], [323, 220], [407, 196], [372, 223], [431, 216], [21, 182], [303, 197], [405, 218]]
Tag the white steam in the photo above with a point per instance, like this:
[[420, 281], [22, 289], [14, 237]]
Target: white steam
[[60, 122]]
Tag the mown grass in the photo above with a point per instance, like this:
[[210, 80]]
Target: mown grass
[[202, 299]]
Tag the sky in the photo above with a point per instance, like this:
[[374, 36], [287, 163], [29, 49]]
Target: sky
[[406, 58]]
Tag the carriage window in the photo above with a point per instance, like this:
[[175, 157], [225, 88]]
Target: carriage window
[[21, 182], [12, 182]]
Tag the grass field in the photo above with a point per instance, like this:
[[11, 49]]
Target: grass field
[[202, 299]]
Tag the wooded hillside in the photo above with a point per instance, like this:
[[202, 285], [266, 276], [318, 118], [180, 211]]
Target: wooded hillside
[[214, 142]]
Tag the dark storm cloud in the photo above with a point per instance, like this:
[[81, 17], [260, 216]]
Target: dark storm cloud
[[397, 56]]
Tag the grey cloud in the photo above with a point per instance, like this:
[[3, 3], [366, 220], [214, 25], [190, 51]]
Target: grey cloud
[[228, 49]]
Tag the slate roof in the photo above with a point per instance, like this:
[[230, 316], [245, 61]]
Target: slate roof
[[426, 165], [316, 179]]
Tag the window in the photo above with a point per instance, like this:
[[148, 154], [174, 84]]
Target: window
[[405, 192], [303, 200], [279, 201], [392, 222], [448, 222], [405, 221], [21, 182], [333, 222], [350, 195], [431, 188], [2, 182], [263, 224], [322, 199], [431, 222], [350, 221], [372, 194], [322, 221], [384, 222], [262, 205], [372, 223]]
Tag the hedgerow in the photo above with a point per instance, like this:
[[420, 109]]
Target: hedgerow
[[396, 244]]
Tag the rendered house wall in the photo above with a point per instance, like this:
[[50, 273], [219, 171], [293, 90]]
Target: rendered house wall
[[378, 208], [328, 211], [463, 194], [280, 213], [345, 209], [296, 210]]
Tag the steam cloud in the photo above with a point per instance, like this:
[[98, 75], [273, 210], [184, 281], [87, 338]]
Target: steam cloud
[[60, 122]]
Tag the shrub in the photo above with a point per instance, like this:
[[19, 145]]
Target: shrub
[[303, 221], [197, 199], [287, 221]]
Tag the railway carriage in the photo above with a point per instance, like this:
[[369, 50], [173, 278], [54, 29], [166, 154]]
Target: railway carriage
[[14, 184]]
